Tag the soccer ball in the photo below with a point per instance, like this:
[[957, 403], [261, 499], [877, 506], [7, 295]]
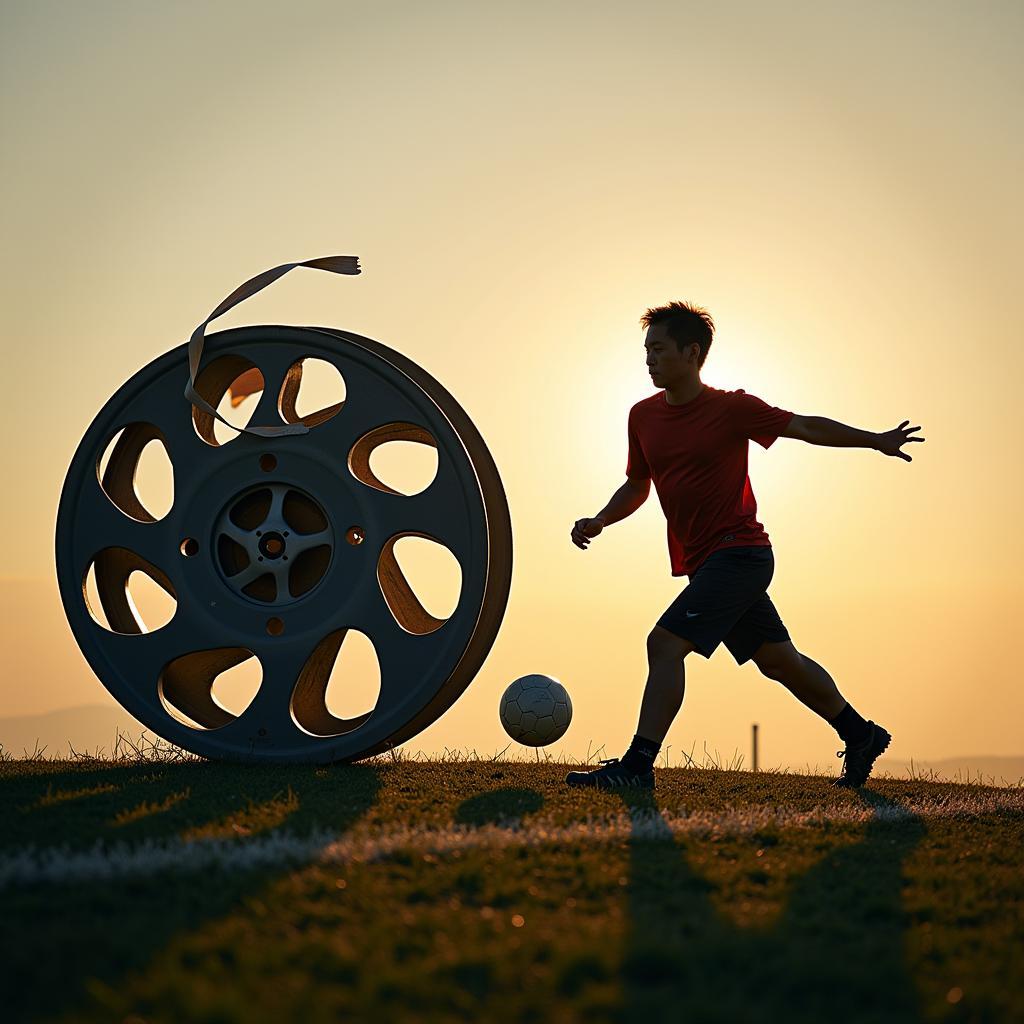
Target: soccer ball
[[535, 710]]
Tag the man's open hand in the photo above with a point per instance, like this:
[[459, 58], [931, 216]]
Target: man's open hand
[[891, 441], [584, 530]]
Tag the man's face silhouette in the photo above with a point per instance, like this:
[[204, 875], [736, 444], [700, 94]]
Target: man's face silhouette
[[668, 366]]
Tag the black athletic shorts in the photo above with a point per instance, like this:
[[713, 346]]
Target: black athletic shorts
[[727, 600]]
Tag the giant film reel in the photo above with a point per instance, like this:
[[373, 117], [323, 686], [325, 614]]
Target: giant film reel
[[279, 542]]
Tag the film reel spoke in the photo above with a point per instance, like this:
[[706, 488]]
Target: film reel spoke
[[241, 536], [278, 389], [438, 513], [275, 516], [104, 526], [402, 664], [268, 721], [405, 657], [251, 573], [306, 541], [368, 405], [146, 655], [165, 408]]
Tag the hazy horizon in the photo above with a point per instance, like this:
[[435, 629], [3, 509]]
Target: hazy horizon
[[95, 730]]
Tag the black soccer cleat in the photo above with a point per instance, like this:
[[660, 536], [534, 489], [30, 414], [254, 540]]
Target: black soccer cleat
[[859, 757], [612, 774]]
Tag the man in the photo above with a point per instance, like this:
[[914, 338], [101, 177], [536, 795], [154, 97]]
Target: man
[[691, 440]]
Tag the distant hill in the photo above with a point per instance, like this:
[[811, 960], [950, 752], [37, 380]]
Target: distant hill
[[89, 727], [1000, 771]]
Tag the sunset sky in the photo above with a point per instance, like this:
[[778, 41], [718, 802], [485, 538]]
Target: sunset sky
[[838, 184]]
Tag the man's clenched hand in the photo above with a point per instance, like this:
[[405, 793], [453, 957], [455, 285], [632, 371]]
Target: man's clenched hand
[[891, 441], [585, 529]]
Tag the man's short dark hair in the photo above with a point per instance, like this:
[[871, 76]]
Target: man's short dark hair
[[685, 324]]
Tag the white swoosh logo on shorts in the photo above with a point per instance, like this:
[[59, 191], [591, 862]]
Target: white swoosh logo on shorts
[[691, 615]]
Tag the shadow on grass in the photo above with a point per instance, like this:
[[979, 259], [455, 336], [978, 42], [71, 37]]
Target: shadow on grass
[[500, 806], [835, 953], [104, 930], [77, 807]]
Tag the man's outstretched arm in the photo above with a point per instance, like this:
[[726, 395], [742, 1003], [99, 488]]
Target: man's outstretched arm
[[820, 430]]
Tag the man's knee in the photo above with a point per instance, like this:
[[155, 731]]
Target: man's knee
[[777, 660], [665, 646]]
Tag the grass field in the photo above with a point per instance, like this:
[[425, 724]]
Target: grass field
[[162, 888]]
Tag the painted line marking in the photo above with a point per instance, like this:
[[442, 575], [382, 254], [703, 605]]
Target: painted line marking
[[117, 860]]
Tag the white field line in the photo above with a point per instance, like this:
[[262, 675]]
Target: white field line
[[107, 861]]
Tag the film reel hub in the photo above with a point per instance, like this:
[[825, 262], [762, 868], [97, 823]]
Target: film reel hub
[[273, 543]]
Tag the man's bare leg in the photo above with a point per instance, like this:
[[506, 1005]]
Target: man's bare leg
[[865, 739], [663, 696], [666, 683], [811, 685]]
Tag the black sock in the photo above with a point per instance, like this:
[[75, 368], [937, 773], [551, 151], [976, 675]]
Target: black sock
[[850, 726], [641, 754]]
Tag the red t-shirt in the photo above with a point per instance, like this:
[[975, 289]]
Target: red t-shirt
[[696, 454]]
